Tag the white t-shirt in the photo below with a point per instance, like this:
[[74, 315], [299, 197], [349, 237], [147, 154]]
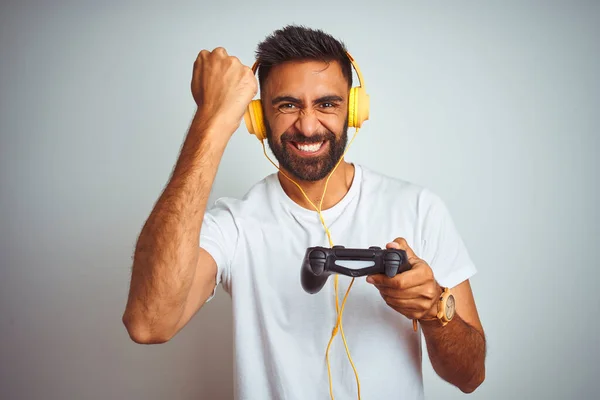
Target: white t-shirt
[[281, 332]]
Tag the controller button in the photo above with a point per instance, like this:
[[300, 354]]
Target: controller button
[[317, 254], [392, 256], [374, 248]]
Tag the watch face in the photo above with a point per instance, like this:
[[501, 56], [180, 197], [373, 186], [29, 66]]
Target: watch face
[[450, 307]]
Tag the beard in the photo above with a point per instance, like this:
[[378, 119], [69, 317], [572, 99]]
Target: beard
[[308, 169]]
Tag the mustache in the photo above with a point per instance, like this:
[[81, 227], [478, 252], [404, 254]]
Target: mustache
[[301, 139]]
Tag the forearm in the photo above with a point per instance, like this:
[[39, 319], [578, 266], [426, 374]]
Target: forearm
[[166, 254], [457, 352]]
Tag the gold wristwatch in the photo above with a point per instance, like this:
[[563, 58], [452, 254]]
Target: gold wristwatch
[[446, 307]]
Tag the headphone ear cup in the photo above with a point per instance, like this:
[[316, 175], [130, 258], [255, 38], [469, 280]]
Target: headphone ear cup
[[253, 117], [358, 107]]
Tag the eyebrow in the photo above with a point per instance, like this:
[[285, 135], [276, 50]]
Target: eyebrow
[[294, 100]]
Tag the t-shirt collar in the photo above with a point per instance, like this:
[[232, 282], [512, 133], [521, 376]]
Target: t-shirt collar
[[330, 213]]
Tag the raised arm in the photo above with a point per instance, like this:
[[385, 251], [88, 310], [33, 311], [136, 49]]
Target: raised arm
[[172, 276]]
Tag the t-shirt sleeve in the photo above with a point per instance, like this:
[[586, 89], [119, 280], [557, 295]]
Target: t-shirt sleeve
[[219, 236], [443, 247]]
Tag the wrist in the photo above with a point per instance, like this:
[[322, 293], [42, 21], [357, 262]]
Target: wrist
[[433, 323], [445, 306], [432, 314], [217, 127]]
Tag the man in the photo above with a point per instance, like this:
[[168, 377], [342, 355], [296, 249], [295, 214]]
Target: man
[[254, 246]]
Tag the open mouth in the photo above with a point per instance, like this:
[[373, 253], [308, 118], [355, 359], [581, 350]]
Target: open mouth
[[309, 148]]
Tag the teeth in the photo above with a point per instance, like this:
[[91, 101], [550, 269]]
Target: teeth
[[310, 148]]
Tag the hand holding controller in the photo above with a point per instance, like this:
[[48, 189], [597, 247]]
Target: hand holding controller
[[320, 262]]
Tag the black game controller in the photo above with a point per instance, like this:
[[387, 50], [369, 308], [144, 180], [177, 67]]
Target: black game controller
[[320, 262]]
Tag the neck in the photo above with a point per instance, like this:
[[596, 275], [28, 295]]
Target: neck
[[338, 185]]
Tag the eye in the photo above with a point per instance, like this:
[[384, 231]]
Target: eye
[[287, 107], [328, 106]]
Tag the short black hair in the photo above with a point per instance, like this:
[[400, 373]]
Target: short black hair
[[299, 43]]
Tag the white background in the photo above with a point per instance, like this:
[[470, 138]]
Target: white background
[[493, 105]]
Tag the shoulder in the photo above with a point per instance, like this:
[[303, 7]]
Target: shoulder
[[385, 187], [239, 208]]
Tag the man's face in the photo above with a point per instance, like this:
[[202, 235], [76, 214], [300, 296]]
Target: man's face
[[306, 109]]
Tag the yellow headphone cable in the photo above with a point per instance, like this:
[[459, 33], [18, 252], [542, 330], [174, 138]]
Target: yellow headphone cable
[[339, 310]]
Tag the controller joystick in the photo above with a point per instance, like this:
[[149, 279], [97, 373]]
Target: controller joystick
[[320, 262]]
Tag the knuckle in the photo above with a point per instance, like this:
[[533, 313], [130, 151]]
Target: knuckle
[[201, 58], [202, 55], [399, 282], [423, 267], [428, 272], [431, 292], [401, 241], [236, 63]]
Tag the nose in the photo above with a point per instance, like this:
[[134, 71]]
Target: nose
[[307, 123]]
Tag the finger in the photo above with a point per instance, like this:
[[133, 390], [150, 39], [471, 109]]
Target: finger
[[382, 280], [219, 51], [424, 292], [200, 59], [401, 244], [419, 274], [202, 55]]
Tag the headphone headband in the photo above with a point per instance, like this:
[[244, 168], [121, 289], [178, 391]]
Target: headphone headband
[[352, 61]]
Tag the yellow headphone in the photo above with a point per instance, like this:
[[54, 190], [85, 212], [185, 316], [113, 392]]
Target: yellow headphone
[[358, 107]]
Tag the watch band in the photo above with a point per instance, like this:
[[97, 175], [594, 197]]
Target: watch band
[[440, 314]]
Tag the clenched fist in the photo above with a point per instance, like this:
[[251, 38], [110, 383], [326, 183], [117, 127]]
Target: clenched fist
[[222, 88]]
